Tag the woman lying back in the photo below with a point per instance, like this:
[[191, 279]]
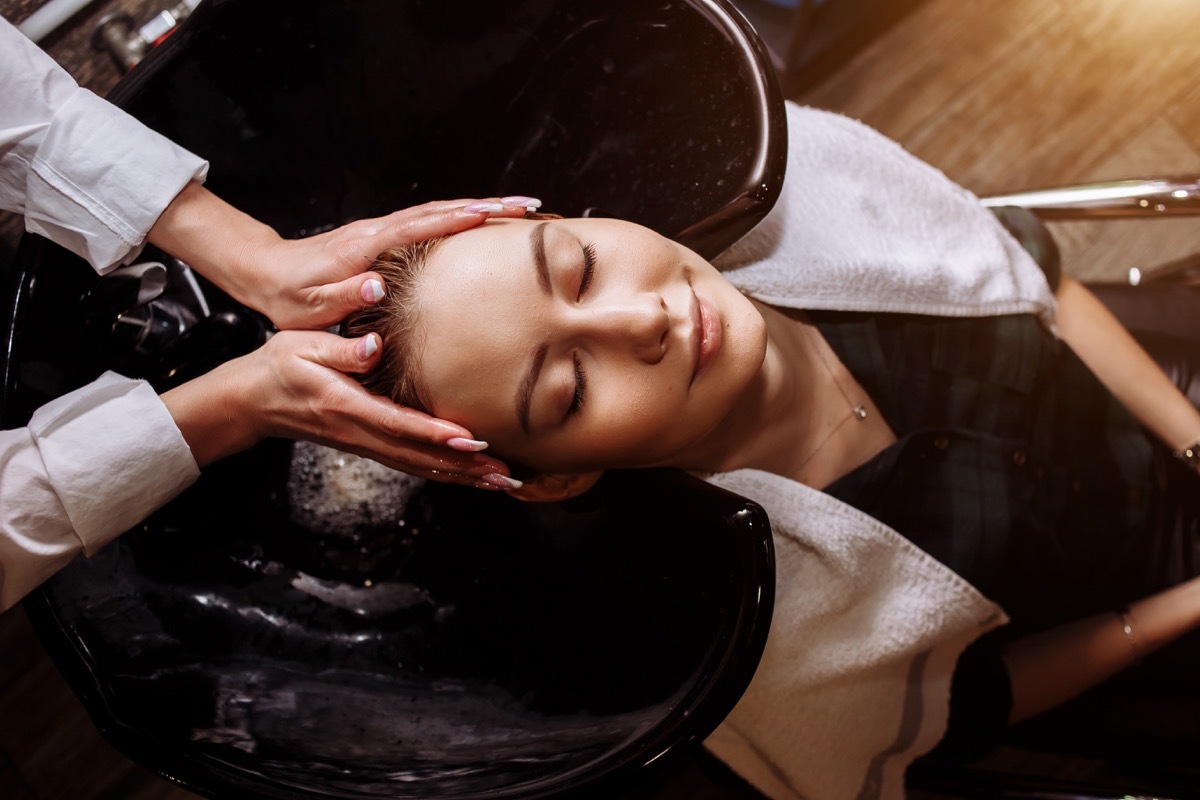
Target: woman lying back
[[577, 345]]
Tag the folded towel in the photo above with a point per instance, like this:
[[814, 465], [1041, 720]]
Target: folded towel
[[862, 225], [854, 682]]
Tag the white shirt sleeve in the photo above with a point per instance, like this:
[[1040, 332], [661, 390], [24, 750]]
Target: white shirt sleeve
[[83, 172], [91, 465], [91, 178]]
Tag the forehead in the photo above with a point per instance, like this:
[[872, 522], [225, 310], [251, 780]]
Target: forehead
[[487, 268], [478, 299], [493, 238], [510, 238]]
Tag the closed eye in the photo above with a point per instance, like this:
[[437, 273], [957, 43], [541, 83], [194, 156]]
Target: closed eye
[[589, 267], [580, 390]]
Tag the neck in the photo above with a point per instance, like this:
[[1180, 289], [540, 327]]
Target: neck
[[775, 417]]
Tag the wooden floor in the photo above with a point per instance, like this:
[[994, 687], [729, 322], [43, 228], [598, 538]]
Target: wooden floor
[[1000, 94], [1004, 95]]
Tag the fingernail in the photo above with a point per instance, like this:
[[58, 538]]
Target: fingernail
[[486, 485], [502, 481], [520, 200], [466, 445], [367, 346], [372, 291], [484, 208]]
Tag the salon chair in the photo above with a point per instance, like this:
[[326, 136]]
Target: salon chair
[[1073, 752], [1158, 305], [467, 646]]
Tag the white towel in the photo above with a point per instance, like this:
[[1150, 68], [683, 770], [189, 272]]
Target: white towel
[[862, 225], [854, 683], [855, 680]]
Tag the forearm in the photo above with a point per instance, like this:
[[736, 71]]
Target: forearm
[[1052, 667], [1121, 364], [212, 237], [213, 413]]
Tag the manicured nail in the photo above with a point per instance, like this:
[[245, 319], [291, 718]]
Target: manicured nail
[[484, 208], [521, 201], [466, 445], [367, 346], [486, 485], [372, 291], [502, 481]]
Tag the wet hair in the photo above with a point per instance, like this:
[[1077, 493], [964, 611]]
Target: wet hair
[[396, 319]]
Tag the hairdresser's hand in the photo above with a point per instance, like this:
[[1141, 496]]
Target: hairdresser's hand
[[295, 386], [305, 283]]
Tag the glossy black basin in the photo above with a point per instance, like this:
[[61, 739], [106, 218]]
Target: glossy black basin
[[467, 646], [664, 112], [483, 648]]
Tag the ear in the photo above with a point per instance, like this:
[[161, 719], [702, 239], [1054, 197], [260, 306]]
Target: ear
[[552, 488]]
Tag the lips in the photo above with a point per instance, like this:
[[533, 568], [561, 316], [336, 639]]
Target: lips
[[706, 334]]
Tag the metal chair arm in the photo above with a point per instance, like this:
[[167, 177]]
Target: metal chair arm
[[1153, 197]]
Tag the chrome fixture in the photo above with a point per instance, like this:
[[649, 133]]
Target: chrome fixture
[[1127, 198]]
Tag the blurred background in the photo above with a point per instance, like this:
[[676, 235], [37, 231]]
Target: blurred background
[[1001, 95]]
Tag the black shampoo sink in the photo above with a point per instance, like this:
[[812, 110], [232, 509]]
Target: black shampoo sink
[[457, 644]]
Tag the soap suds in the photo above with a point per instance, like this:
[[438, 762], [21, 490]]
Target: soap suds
[[339, 494]]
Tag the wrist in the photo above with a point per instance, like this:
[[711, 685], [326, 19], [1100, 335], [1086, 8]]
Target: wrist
[[1163, 617], [1189, 454], [220, 242], [245, 278], [214, 412], [1125, 620]]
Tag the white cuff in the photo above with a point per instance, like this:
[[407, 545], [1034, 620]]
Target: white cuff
[[36, 539], [100, 180], [113, 454]]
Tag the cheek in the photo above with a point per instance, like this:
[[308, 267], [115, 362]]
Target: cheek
[[644, 264], [634, 424], [661, 261]]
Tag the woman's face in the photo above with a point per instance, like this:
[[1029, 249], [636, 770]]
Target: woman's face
[[581, 344]]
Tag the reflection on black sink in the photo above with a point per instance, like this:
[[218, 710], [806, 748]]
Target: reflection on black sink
[[483, 648]]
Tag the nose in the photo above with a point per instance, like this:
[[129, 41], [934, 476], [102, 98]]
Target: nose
[[636, 323]]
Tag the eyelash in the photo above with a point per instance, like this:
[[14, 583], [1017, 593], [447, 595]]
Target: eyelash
[[585, 280], [580, 389], [589, 267]]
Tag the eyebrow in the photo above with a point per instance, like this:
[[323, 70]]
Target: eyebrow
[[525, 391], [537, 243]]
